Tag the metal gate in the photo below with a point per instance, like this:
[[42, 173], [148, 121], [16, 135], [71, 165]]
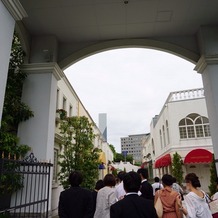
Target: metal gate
[[24, 187]]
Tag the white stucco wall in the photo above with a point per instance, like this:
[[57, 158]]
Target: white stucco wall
[[174, 112]]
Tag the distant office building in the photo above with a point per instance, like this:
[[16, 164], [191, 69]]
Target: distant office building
[[103, 125], [133, 145]]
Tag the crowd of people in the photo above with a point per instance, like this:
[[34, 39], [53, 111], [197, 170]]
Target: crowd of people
[[130, 195]]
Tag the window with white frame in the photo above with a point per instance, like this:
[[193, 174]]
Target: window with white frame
[[164, 137], [64, 103], [168, 134], [153, 148], [70, 111], [161, 140], [57, 99], [55, 166], [194, 126]]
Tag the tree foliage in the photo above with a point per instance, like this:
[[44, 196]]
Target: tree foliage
[[78, 151], [177, 171], [14, 110], [213, 177], [113, 150], [120, 157]]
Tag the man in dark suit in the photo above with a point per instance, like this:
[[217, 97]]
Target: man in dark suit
[[133, 206], [146, 188], [75, 202]]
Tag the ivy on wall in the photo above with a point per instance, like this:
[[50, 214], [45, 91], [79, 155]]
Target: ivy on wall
[[14, 110]]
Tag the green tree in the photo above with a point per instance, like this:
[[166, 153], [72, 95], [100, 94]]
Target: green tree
[[77, 140], [120, 157], [113, 150], [177, 168], [129, 158], [213, 177]]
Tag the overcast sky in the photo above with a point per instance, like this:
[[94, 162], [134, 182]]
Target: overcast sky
[[131, 86]]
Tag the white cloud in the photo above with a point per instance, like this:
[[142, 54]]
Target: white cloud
[[130, 85]]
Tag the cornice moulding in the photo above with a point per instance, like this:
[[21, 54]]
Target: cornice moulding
[[15, 9], [40, 68], [204, 61]]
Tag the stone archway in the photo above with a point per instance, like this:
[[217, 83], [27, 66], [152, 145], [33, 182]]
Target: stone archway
[[130, 43]]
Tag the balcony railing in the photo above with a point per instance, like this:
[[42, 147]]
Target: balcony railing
[[186, 95]]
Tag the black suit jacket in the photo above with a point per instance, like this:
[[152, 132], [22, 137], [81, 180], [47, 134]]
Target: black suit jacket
[[75, 202], [133, 206], [147, 190]]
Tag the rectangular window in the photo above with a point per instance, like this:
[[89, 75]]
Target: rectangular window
[[57, 99], [70, 111], [183, 133], [64, 103], [207, 130], [55, 166], [199, 131], [191, 132]]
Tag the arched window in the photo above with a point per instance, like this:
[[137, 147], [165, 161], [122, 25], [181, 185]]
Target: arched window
[[168, 134], [164, 136], [161, 140], [194, 126]]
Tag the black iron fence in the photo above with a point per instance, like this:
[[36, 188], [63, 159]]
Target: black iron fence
[[24, 188]]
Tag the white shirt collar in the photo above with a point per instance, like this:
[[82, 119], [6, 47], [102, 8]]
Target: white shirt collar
[[131, 193], [144, 180]]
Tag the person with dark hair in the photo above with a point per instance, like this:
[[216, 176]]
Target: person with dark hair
[[196, 200], [75, 201], [168, 198], [156, 185], [119, 189], [99, 185], [106, 197], [133, 206], [146, 190]]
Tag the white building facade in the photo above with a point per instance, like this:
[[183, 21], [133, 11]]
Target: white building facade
[[68, 100], [133, 145], [183, 127]]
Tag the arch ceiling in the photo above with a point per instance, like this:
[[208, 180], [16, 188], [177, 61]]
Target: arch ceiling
[[84, 27]]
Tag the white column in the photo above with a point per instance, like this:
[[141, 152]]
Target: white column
[[208, 67], [39, 93], [210, 81], [6, 35]]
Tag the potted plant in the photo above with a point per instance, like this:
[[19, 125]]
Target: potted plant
[[62, 113]]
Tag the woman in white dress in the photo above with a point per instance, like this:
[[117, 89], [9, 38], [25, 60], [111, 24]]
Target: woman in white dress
[[105, 197], [195, 202]]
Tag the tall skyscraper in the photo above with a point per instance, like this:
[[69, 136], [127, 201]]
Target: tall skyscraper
[[102, 119]]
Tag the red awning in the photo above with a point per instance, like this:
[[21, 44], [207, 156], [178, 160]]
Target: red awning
[[198, 156], [163, 161]]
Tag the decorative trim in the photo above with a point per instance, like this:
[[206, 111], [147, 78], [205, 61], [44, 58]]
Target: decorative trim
[[31, 158], [204, 61], [15, 9], [58, 138], [40, 68]]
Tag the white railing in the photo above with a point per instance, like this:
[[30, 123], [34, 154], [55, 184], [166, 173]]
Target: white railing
[[186, 95]]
